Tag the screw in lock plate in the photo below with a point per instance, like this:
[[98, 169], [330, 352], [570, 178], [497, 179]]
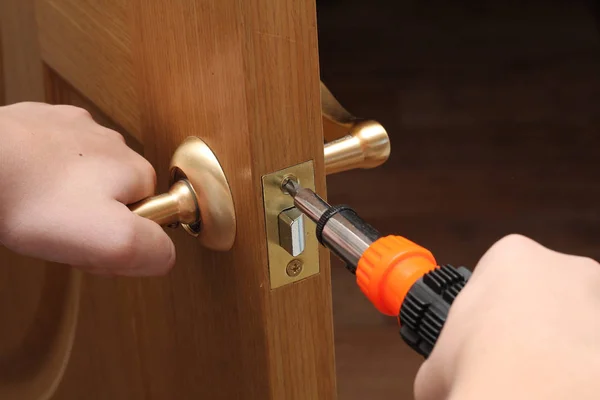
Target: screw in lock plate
[[289, 232], [286, 179], [294, 268]]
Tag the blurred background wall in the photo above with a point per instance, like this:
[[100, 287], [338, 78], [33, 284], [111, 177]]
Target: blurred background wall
[[493, 109]]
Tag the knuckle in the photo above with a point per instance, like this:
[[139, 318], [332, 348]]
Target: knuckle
[[514, 240], [503, 254], [513, 245], [110, 133], [73, 111]]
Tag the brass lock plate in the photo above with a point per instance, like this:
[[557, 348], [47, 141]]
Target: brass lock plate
[[283, 267]]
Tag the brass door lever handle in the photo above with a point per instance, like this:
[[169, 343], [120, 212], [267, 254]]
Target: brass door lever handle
[[367, 145], [200, 199], [351, 142]]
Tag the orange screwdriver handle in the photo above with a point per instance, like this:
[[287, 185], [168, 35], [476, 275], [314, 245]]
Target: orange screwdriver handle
[[402, 279], [389, 268]]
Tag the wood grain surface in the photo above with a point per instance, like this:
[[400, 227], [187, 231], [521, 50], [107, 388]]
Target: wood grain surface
[[243, 76], [88, 43], [34, 335], [38, 300], [249, 86], [21, 52]]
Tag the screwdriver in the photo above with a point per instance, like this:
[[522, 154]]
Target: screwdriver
[[399, 277]]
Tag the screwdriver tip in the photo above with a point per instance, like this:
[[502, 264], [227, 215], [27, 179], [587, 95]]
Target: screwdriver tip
[[290, 185]]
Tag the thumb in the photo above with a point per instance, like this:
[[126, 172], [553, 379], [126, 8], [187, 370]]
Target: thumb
[[103, 236], [123, 243]]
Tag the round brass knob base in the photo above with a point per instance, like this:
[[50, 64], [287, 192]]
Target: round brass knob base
[[195, 162]]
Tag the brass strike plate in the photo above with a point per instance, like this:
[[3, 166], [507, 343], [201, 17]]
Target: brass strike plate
[[275, 201]]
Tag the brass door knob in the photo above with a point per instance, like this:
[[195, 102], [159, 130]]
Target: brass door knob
[[352, 142], [199, 199]]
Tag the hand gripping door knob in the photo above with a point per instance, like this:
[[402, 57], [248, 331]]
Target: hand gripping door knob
[[199, 199]]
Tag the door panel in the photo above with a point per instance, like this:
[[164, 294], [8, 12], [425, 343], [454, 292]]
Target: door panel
[[34, 338], [88, 44], [23, 77], [244, 77], [58, 91]]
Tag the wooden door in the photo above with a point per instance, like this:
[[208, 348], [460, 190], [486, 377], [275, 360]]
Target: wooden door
[[244, 77]]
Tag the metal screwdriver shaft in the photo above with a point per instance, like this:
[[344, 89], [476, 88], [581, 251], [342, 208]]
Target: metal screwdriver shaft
[[339, 228], [400, 277]]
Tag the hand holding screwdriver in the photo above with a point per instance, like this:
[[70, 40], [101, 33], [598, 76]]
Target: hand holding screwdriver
[[399, 277], [502, 335], [526, 326]]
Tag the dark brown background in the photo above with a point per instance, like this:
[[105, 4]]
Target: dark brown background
[[494, 116]]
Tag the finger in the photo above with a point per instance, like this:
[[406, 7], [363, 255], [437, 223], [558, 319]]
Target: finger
[[509, 251], [121, 172], [130, 245], [98, 236], [133, 179], [109, 133], [67, 110]]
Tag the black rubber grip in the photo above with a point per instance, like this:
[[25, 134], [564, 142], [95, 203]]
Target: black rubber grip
[[426, 306], [327, 215]]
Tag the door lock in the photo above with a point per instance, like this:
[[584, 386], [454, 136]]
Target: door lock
[[200, 198], [293, 248]]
